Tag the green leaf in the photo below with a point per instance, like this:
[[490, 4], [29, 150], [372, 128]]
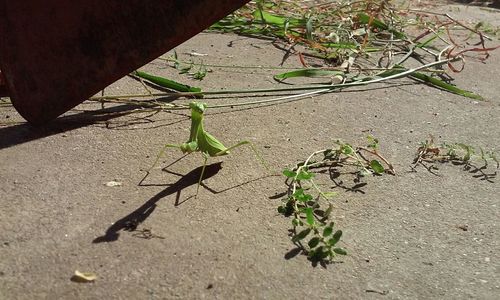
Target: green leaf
[[327, 231], [483, 154], [318, 254], [314, 242], [468, 149], [301, 235], [167, 83], [200, 74], [308, 73], [445, 86], [309, 216], [373, 142], [305, 198], [433, 81], [298, 193], [428, 41], [309, 29], [289, 173], [301, 196], [270, 19], [347, 45], [340, 251], [304, 175], [377, 167], [176, 60], [347, 149], [335, 238], [376, 23]]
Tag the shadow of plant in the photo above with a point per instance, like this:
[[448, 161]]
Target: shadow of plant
[[477, 163]]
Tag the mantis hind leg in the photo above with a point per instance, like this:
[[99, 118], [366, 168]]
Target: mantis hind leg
[[252, 146]]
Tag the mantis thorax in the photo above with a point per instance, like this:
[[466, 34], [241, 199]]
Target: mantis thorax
[[197, 110]]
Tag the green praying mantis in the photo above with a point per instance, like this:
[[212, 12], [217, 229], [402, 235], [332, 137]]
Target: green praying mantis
[[202, 141]]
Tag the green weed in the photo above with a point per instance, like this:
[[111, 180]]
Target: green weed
[[196, 71], [312, 229], [467, 156]]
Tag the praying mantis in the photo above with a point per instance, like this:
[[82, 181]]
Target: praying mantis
[[202, 141]]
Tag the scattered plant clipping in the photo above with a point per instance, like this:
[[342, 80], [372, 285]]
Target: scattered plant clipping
[[346, 43], [363, 39], [313, 230], [482, 164], [195, 71]]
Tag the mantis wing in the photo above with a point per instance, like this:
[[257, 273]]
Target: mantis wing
[[207, 143]]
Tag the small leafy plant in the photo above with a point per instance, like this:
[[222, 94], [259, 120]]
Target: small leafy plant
[[457, 154], [198, 73], [305, 199]]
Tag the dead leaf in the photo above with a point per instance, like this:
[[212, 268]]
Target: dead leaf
[[83, 277]]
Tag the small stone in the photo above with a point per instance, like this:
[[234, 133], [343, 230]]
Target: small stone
[[113, 183]]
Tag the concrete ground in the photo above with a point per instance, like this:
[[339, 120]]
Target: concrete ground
[[410, 236]]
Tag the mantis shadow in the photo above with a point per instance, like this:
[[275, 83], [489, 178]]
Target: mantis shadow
[[211, 190], [131, 221]]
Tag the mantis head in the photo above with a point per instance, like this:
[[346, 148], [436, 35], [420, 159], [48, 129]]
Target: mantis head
[[197, 107]]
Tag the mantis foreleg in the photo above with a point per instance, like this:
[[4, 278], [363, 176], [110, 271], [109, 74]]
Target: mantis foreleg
[[160, 154]]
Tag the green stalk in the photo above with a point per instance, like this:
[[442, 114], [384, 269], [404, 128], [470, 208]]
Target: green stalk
[[314, 90]]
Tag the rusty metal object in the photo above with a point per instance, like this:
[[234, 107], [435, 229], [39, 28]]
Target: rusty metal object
[[55, 54], [3, 86]]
